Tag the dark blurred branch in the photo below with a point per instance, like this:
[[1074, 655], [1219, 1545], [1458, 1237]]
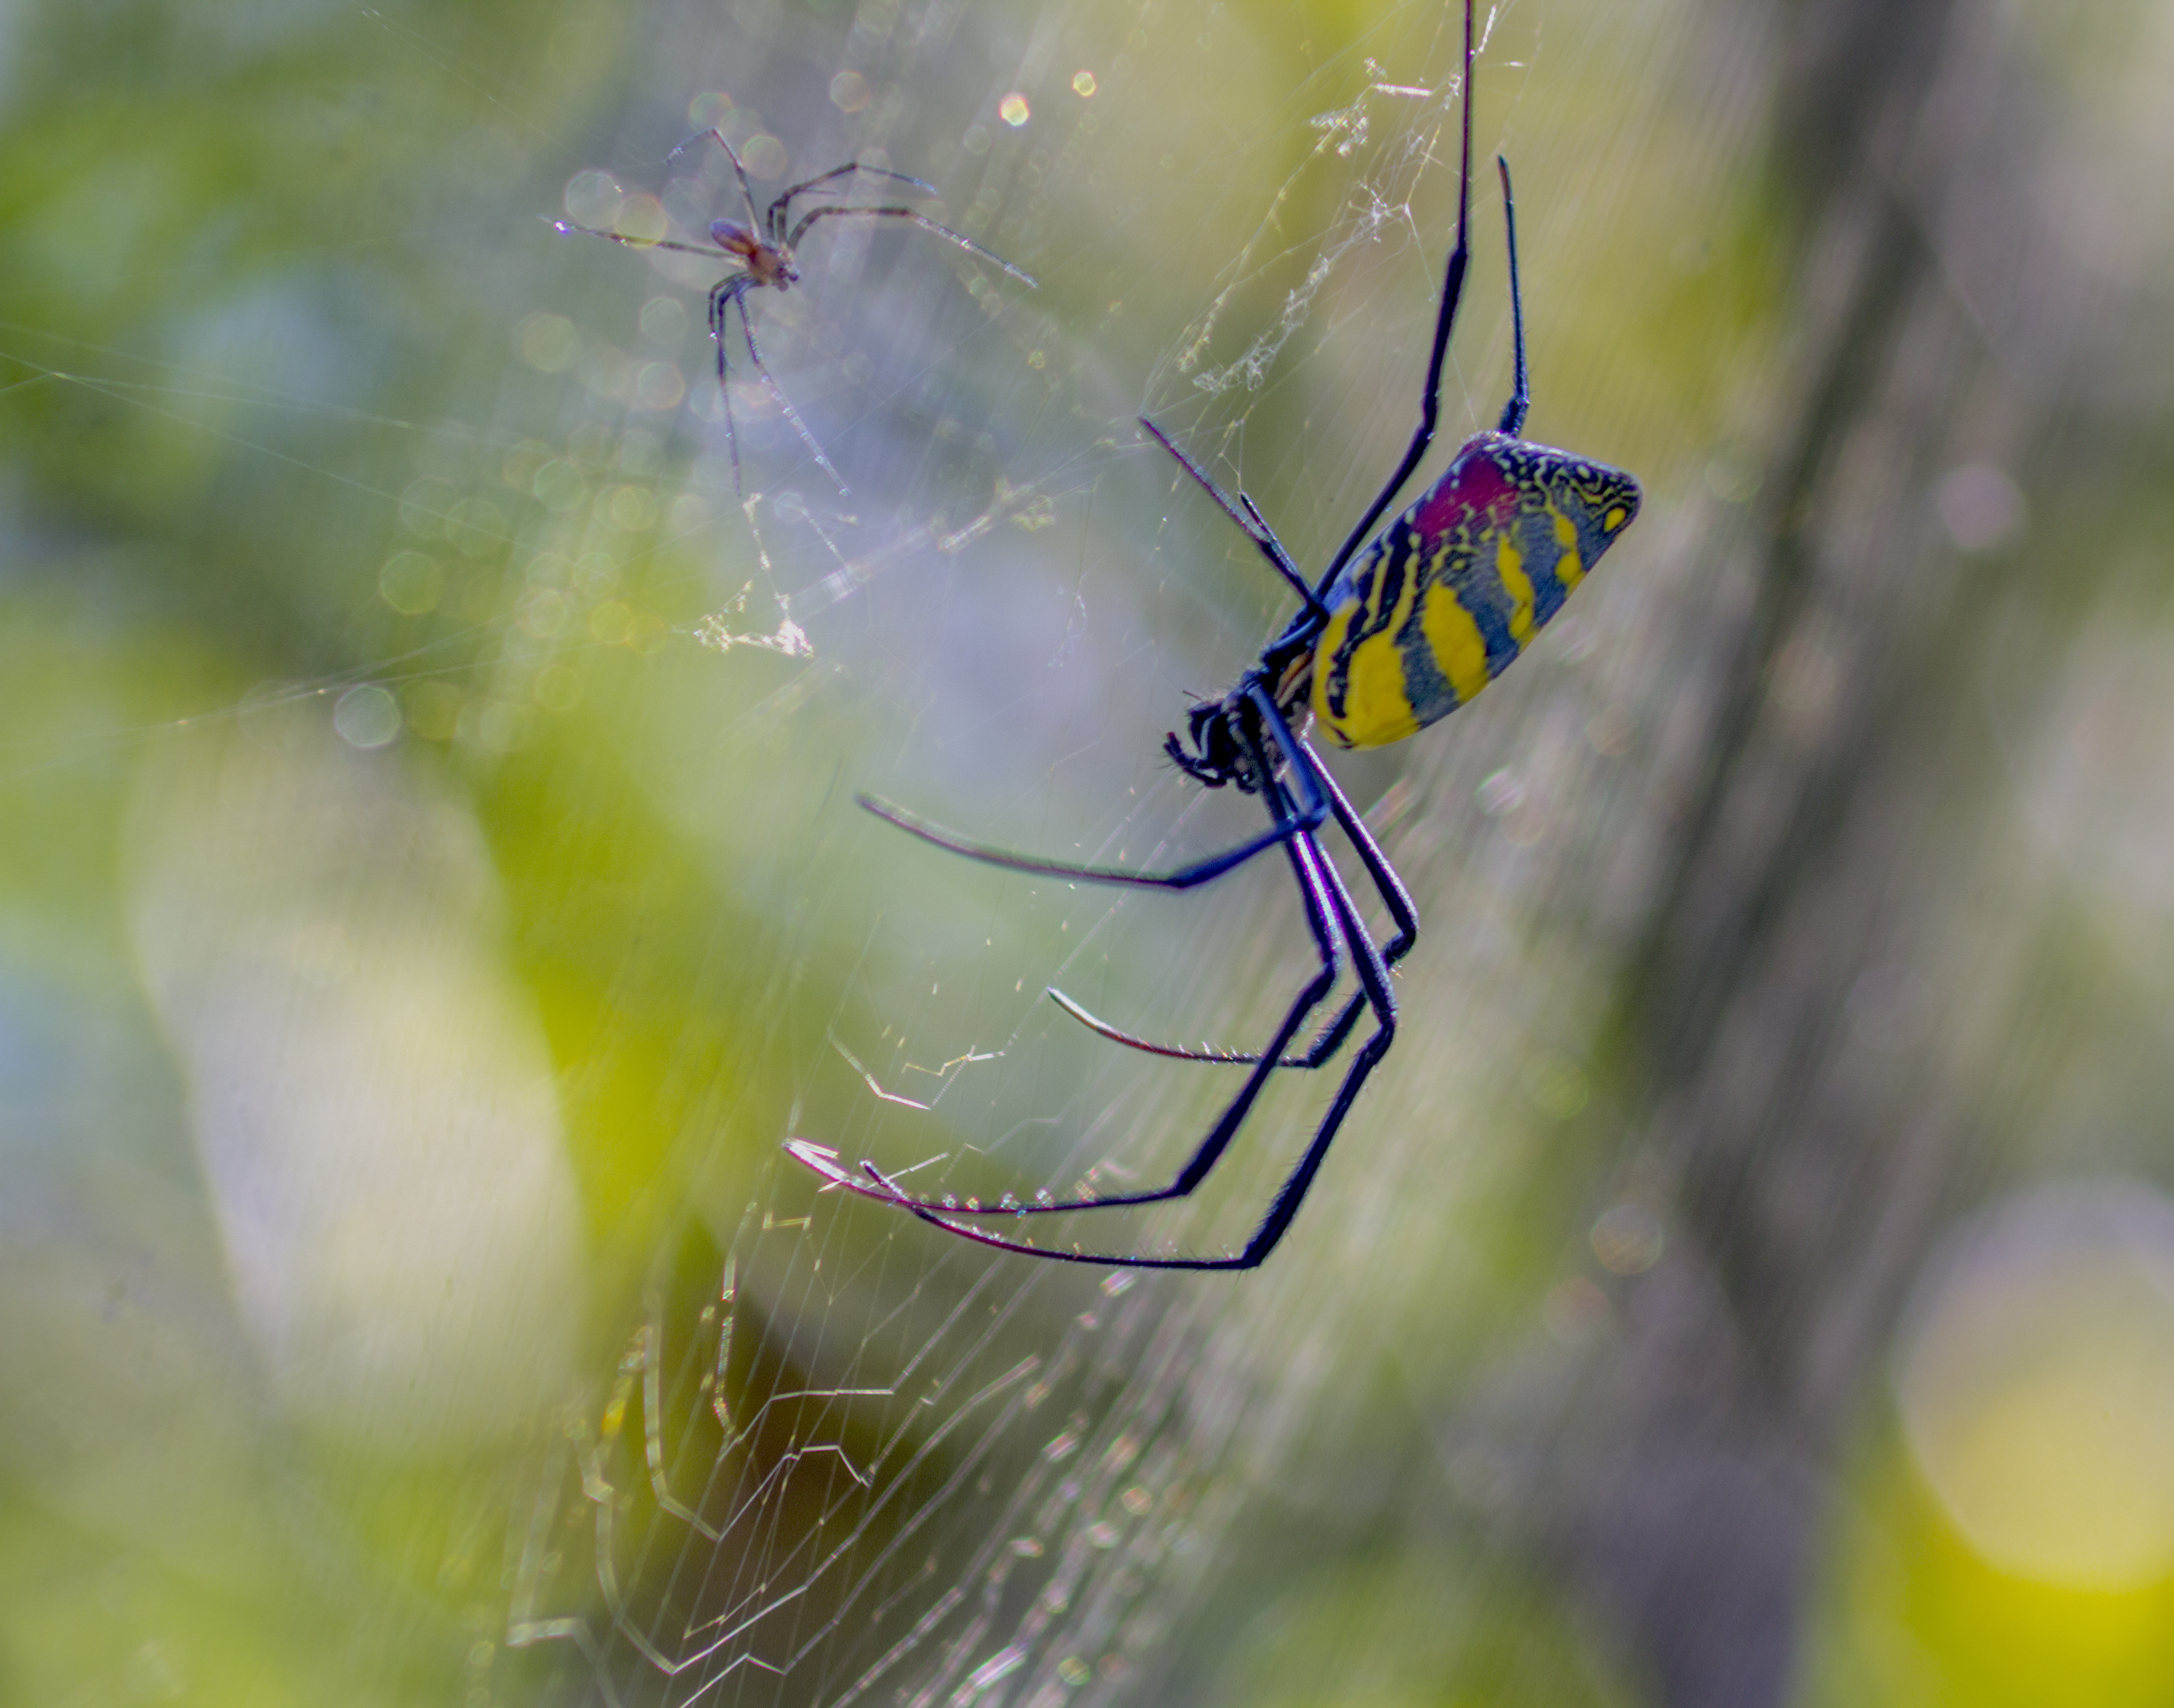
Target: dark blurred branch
[[1807, 1169], [1717, 906]]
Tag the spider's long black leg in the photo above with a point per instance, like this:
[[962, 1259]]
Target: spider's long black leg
[[1374, 979], [1395, 897], [1303, 810], [1319, 788], [775, 218], [1402, 913], [739, 171], [1250, 519], [776, 391], [1453, 293], [1521, 396], [1325, 919], [1306, 814], [918, 218]]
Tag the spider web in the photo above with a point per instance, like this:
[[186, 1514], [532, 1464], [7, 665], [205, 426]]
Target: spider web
[[875, 1464], [933, 1476], [839, 1457]]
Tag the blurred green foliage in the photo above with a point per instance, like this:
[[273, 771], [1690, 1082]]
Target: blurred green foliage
[[301, 401]]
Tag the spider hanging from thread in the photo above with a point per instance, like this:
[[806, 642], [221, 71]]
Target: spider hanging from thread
[[764, 249], [1401, 629]]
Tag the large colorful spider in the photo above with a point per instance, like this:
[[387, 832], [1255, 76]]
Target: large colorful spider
[[763, 248], [1392, 638]]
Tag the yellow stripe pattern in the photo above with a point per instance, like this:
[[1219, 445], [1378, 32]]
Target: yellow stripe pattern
[[1450, 594]]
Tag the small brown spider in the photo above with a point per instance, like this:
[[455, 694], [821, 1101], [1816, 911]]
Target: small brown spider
[[763, 247]]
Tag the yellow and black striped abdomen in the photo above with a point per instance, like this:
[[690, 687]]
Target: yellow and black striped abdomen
[[1449, 593]]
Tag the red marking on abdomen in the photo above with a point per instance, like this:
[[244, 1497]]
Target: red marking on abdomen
[[1474, 484]]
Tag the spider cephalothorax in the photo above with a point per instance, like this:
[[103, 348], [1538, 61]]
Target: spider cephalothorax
[[767, 263], [1217, 755]]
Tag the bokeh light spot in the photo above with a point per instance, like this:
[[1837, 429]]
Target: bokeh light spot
[[411, 583], [609, 621], [370, 1091], [1083, 84], [1014, 111], [2035, 1377], [764, 156], [546, 342], [423, 507], [658, 385], [590, 197], [475, 527], [663, 320], [641, 218], [628, 508], [849, 92], [543, 612], [560, 485], [558, 689], [1555, 1086], [366, 716], [1628, 1239]]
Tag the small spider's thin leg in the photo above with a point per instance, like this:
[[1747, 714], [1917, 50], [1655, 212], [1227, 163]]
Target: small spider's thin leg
[[708, 249], [921, 219], [727, 293], [1521, 397], [1326, 917], [1374, 978], [1250, 519], [739, 171], [1402, 913], [776, 391], [1453, 293], [777, 213]]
